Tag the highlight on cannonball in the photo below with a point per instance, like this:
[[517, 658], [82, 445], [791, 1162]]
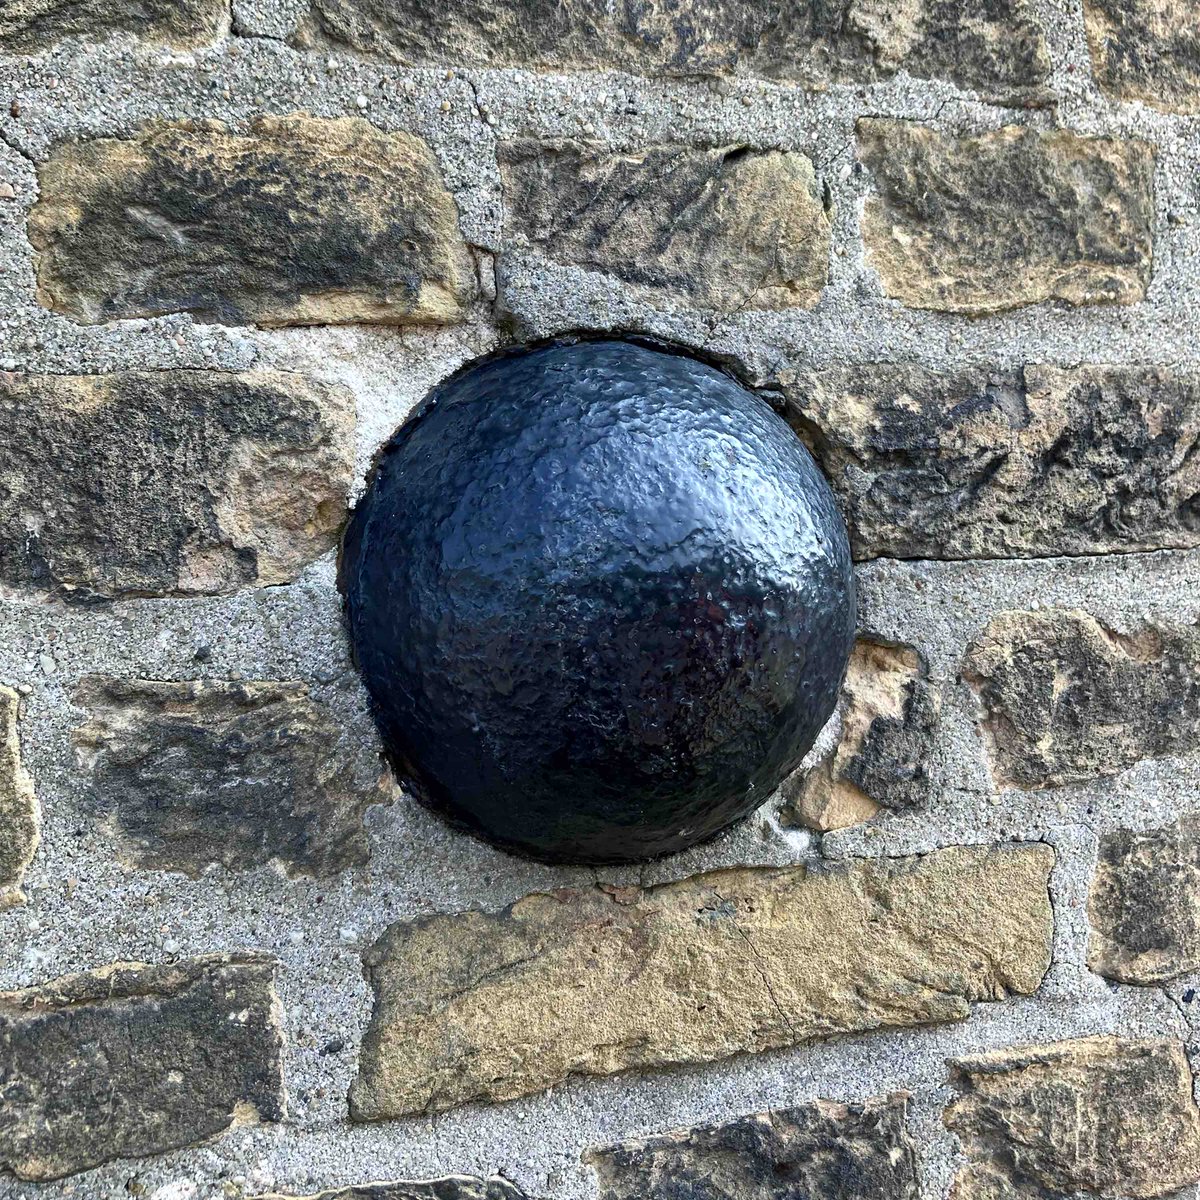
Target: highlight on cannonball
[[601, 598]]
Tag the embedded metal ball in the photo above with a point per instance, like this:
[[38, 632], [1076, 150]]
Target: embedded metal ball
[[601, 598]]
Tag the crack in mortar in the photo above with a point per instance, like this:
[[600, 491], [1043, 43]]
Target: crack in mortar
[[17, 148]]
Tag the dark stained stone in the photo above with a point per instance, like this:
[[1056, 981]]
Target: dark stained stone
[[889, 721], [996, 47], [824, 1149], [1031, 462], [1077, 215], [300, 221], [723, 229], [1108, 1116], [133, 1060], [1067, 699], [19, 812], [1147, 50], [27, 26], [241, 774], [169, 482], [450, 1187], [1144, 905]]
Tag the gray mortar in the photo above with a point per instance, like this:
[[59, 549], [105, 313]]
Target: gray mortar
[[84, 909]]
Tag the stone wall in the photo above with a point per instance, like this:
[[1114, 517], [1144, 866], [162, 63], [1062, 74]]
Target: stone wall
[[956, 244]]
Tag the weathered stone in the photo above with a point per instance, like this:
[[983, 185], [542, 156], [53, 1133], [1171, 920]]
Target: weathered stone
[[19, 816], [723, 229], [496, 1005], [1067, 699], [132, 1060], [1147, 50], [1006, 464], [1144, 905], [998, 48], [241, 774], [299, 222], [27, 26], [451, 1187], [1077, 216], [851, 1151], [889, 718], [169, 482], [1103, 1115]]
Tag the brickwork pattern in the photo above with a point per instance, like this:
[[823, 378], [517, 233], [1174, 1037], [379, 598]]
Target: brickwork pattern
[[956, 245]]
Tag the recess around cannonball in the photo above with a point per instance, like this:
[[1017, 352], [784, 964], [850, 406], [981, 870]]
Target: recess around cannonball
[[602, 600]]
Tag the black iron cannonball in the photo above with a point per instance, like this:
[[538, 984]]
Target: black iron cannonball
[[601, 598]]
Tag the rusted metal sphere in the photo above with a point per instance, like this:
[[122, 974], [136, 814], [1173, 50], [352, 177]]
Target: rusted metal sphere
[[602, 600]]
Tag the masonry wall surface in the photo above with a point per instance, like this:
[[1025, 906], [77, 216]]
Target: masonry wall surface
[[957, 246]]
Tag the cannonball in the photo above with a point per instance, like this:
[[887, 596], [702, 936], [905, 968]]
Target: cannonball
[[602, 600]]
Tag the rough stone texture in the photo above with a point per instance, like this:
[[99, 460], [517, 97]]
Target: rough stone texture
[[299, 222], [131, 1060], [851, 1151], [1040, 461], [1144, 905], [1077, 215], [1104, 1115], [241, 774], [169, 482], [27, 26], [18, 805], [1146, 50], [452, 1187], [724, 229], [491, 1006], [996, 48], [1067, 699], [889, 720], [84, 907]]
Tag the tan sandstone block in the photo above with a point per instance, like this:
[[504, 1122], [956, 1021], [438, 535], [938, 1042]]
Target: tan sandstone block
[[1012, 217], [19, 814], [132, 1060], [818, 1150], [1147, 50], [29, 26], [1015, 463], [998, 49], [241, 773], [1066, 699], [1144, 905], [169, 482], [889, 719], [1108, 1116], [722, 229], [300, 221], [489, 1006]]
